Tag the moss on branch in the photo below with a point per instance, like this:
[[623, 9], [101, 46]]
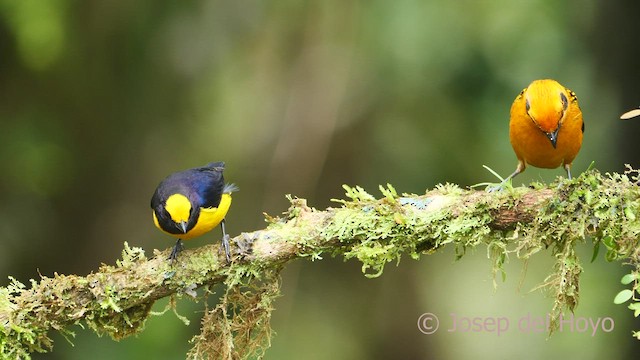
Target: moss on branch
[[116, 300]]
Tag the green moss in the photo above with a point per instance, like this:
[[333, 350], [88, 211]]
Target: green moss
[[557, 218], [239, 326], [603, 207], [17, 341], [377, 232], [131, 256]]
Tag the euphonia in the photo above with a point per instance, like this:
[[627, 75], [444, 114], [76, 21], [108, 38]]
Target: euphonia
[[546, 126], [190, 203]]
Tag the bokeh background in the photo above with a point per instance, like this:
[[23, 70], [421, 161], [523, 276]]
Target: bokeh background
[[99, 100]]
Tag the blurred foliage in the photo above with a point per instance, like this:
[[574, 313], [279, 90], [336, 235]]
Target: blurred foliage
[[99, 100]]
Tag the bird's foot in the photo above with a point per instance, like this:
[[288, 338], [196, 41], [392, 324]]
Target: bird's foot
[[495, 188], [177, 248], [226, 247], [505, 184]]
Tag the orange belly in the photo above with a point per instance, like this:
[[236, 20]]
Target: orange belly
[[533, 147]]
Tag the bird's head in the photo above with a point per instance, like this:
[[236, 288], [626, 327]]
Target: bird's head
[[179, 208], [546, 103]]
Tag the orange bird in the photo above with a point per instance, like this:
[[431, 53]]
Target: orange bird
[[546, 126]]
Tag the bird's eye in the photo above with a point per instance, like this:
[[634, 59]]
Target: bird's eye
[[527, 105], [565, 102]]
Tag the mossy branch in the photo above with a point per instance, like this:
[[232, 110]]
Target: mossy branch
[[116, 300]]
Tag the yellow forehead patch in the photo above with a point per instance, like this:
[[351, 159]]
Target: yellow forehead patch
[[545, 103], [178, 207]]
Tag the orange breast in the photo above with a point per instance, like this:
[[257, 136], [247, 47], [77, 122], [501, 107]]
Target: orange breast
[[544, 113]]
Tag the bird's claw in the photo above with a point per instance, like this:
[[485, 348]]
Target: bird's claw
[[226, 247], [495, 188], [499, 187], [177, 248]]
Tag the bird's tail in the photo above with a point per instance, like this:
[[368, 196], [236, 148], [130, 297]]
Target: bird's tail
[[218, 165], [229, 188]]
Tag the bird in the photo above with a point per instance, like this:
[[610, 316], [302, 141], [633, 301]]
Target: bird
[[545, 127], [190, 203]]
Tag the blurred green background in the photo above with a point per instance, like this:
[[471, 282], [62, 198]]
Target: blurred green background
[[99, 100]]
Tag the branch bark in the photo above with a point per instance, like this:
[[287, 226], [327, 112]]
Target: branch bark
[[117, 299]]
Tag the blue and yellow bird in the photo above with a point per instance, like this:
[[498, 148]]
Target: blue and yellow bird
[[190, 203]]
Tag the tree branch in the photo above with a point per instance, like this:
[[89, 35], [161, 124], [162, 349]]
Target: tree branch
[[116, 300]]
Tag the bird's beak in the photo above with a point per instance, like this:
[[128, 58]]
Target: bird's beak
[[183, 226], [553, 137]]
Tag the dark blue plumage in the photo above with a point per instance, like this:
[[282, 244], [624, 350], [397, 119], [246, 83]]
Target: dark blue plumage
[[203, 187]]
